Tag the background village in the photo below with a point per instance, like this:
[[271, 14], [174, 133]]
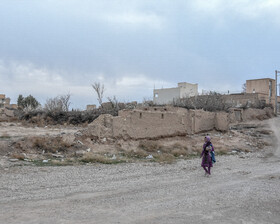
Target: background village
[[153, 129], [122, 156], [256, 93]]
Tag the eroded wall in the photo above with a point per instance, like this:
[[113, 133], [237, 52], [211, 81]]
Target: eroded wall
[[158, 122]]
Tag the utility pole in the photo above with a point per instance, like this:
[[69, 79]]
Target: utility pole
[[275, 106]]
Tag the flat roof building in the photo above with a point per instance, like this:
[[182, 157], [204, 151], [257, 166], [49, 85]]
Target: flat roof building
[[168, 95]]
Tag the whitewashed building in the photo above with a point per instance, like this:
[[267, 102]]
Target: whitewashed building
[[168, 95]]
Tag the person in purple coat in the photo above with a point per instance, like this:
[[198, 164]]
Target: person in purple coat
[[208, 149]]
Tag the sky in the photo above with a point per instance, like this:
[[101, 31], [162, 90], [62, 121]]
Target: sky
[[57, 47]]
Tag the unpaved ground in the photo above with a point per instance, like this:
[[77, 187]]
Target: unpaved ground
[[18, 130], [243, 188]]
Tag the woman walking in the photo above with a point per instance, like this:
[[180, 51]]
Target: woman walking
[[208, 149]]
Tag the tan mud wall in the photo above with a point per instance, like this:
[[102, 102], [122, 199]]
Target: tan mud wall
[[6, 113], [152, 123]]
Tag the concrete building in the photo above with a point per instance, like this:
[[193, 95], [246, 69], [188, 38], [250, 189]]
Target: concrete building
[[168, 95], [265, 88], [91, 107]]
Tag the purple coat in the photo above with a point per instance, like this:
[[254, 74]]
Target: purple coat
[[206, 155]]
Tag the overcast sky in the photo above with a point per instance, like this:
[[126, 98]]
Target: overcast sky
[[51, 47]]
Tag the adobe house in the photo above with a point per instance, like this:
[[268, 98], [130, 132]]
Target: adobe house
[[159, 122], [4, 102], [6, 109], [168, 95]]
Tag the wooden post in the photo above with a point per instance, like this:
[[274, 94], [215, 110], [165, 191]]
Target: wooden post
[[275, 106]]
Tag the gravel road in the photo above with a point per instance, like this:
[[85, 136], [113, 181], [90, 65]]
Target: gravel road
[[243, 188]]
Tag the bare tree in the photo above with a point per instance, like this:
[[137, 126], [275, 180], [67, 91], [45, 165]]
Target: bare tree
[[244, 88], [99, 89], [59, 103], [65, 101], [114, 101]]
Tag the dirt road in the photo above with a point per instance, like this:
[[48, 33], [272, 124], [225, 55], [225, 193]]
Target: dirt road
[[243, 188]]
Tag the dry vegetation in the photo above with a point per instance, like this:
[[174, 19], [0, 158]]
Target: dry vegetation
[[50, 145], [215, 102]]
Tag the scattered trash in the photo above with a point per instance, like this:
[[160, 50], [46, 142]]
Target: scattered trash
[[80, 142], [114, 157], [78, 133], [149, 157], [233, 151], [58, 156], [88, 150], [45, 161], [13, 160], [104, 139]]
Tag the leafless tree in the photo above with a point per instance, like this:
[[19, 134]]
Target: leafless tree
[[99, 89], [114, 101], [244, 88], [59, 103], [65, 101]]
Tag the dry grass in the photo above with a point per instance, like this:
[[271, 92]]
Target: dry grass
[[5, 135], [164, 158], [179, 152], [149, 146], [52, 145], [139, 153], [18, 156]]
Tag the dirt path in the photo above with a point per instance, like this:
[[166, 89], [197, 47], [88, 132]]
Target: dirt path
[[18, 130], [244, 188]]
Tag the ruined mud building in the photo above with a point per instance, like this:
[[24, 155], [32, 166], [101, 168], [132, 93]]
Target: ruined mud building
[[160, 122], [6, 109]]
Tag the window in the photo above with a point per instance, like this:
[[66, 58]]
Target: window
[[156, 95]]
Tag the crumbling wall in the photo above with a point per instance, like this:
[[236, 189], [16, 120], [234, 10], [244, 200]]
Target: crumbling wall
[[203, 121], [139, 124], [7, 113], [253, 114], [222, 121], [157, 122]]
